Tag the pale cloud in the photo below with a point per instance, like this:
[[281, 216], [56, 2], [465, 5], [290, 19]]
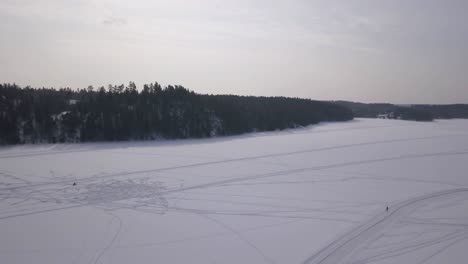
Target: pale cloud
[[115, 21]]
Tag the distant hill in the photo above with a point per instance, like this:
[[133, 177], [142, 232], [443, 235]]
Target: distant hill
[[445, 111], [121, 112], [419, 112]]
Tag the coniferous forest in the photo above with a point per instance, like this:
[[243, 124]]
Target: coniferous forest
[[414, 112], [122, 112]]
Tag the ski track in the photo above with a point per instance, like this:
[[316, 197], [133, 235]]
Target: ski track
[[241, 238], [111, 243], [158, 194], [234, 180], [342, 249], [94, 177], [227, 181]]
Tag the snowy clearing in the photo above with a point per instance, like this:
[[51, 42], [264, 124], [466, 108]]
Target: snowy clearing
[[312, 195]]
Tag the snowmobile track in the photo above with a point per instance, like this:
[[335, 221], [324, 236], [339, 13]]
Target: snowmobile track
[[340, 250]]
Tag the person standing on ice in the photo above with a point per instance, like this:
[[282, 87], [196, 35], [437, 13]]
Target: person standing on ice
[[387, 208]]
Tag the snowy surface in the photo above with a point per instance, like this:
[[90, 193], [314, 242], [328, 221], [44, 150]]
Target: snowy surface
[[312, 195]]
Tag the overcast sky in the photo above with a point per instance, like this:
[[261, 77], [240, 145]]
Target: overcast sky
[[400, 51]]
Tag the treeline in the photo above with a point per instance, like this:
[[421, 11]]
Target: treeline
[[409, 112], [417, 112], [121, 112], [445, 111]]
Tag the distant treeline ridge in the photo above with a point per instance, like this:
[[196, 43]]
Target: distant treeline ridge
[[416, 112]]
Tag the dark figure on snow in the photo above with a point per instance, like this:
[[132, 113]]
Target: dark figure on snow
[[387, 208], [74, 184]]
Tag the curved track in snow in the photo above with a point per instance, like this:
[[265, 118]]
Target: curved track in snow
[[342, 249]]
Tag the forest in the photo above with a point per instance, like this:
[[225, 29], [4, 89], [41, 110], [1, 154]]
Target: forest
[[393, 111], [415, 112], [123, 112]]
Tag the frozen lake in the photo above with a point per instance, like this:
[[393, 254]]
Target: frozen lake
[[312, 195]]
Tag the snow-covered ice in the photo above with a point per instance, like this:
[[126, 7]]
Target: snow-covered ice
[[311, 195]]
